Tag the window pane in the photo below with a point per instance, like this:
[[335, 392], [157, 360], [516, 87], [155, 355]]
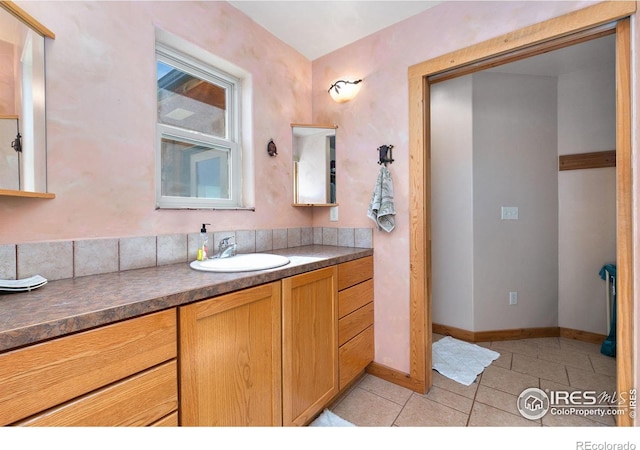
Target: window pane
[[189, 102], [194, 170]]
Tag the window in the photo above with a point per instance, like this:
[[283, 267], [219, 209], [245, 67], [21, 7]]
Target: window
[[198, 163]]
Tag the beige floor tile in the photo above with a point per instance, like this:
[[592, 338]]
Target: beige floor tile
[[566, 357], [385, 389], [585, 347], [539, 368], [504, 360], [436, 337], [507, 380], [451, 399], [487, 416], [365, 409], [589, 380], [545, 343], [453, 386], [491, 399], [497, 399], [422, 412], [520, 346], [604, 364], [548, 385]]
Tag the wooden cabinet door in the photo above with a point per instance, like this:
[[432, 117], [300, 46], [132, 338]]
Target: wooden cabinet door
[[309, 344], [230, 359]]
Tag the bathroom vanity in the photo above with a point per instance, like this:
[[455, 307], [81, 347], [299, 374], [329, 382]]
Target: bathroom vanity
[[169, 346]]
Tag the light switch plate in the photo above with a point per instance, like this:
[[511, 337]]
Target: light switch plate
[[333, 214], [509, 213]]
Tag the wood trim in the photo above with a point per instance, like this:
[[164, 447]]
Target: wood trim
[[12, 193], [393, 376], [27, 19], [624, 235], [313, 125], [518, 333], [9, 116], [457, 333], [558, 27], [534, 50], [419, 183], [314, 204], [419, 237], [593, 160], [585, 336]]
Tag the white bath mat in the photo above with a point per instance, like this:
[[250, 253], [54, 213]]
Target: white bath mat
[[329, 419], [460, 360]]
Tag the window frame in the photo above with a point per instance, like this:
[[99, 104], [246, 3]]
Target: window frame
[[232, 139]]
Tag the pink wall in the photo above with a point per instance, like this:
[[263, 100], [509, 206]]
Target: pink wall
[[101, 112], [379, 115], [101, 120], [7, 68]]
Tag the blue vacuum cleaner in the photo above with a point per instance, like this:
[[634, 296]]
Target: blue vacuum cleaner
[[608, 347]]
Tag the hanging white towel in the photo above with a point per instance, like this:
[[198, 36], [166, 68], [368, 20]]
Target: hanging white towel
[[381, 208]]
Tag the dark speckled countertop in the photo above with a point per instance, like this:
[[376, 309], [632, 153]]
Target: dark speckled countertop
[[66, 306]]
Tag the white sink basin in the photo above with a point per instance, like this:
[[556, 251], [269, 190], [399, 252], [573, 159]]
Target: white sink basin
[[241, 263]]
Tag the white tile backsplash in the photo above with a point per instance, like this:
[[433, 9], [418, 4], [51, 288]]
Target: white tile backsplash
[[329, 236], [293, 237], [95, 256], [172, 249], [137, 252], [67, 259], [52, 260], [246, 240], [280, 238], [346, 237], [264, 240], [8, 262]]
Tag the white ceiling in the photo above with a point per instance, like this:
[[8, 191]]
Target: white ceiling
[[316, 28]]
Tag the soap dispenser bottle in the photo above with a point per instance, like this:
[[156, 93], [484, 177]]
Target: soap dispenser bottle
[[203, 248]]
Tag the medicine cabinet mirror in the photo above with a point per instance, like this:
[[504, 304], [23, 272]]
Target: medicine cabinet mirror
[[314, 165], [23, 152]]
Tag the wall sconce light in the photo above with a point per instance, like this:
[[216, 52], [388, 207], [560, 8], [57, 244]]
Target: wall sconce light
[[342, 91]]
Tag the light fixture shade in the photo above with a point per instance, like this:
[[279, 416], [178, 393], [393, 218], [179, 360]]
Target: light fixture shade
[[342, 91]]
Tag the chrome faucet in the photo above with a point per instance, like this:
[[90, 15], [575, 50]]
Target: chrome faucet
[[225, 249]]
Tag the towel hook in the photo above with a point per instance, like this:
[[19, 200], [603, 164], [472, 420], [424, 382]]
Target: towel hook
[[385, 154]]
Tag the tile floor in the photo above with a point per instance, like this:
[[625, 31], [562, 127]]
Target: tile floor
[[546, 363]]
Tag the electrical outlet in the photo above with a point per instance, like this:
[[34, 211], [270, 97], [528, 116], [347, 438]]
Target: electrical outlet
[[513, 298]]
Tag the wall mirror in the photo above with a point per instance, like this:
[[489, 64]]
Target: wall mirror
[[314, 165], [23, 151]]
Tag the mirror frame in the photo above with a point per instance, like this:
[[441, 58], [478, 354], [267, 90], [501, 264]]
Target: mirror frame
[[36, 26], [294, 172]]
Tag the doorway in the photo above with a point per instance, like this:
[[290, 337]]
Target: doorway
[[555, 33]]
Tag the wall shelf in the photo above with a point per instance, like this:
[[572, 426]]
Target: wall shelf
[[592, 160], [25, 194]]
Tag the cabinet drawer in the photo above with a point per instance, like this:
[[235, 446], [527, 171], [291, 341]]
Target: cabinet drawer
[[355, 355], [170, 421], [45, 375], [354, 323], [354, 272], [354, 297], [137, 401]]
